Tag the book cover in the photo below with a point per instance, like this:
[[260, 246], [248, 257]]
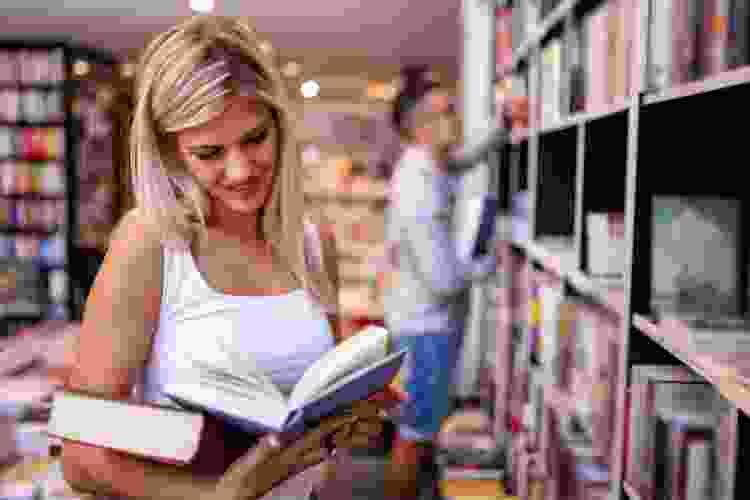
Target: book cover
[[162, 434]]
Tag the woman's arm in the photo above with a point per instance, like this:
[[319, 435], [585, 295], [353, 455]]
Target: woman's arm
[[122, 312]]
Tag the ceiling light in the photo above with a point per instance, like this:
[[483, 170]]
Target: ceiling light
[[291, 69], [81, 68], [309, 89], [382, 91], [202, 5]]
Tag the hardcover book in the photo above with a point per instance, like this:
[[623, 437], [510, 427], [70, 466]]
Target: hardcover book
[[355, 369]]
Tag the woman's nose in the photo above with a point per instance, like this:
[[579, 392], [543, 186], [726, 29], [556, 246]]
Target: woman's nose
[[239, 166]]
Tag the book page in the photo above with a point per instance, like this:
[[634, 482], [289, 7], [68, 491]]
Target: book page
[[364, 348]]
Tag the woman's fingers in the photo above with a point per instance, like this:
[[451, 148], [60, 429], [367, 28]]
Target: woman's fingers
[[314, 457], [268, 446]]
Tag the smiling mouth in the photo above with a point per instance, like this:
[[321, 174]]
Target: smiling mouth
[[246, 188]]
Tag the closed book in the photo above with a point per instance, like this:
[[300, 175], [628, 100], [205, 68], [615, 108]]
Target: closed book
[[159, 433], [478, 229], [244, 396]]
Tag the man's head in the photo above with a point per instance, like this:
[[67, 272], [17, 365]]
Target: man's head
[[424, 112]]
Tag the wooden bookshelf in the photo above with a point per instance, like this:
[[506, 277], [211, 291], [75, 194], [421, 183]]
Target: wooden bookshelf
[[618, 157], [44, 138]]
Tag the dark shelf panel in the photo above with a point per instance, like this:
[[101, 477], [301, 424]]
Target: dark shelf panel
[[34, 197], [29, 230], [33, 124], [31, 160], [721, 81], [33, 85]]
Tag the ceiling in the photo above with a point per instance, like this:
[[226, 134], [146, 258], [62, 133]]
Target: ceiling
[[355, 37]]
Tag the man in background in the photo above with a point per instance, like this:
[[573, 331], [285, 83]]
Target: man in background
[[425, 293]]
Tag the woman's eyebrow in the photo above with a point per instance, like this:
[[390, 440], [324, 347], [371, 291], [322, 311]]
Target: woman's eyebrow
[[257, 130]]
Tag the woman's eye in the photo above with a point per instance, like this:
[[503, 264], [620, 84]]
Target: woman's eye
[[257, 138], [208, 155]]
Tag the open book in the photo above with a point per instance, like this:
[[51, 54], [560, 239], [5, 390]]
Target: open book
[[246, 397]]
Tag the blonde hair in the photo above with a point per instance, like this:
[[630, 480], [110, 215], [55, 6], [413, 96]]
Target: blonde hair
[[162, 185]]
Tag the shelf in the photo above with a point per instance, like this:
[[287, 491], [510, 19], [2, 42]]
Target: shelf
[[715, 371], [33, 197], [36, 231], [59, 85], [33, 124], [723, 80], [611, 297], [630, 491], [618, 107]]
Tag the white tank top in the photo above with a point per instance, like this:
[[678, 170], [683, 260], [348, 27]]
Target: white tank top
[[282, 334]]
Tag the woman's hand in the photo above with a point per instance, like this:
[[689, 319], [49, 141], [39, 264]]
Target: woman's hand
[[368, 424], [269, 463]]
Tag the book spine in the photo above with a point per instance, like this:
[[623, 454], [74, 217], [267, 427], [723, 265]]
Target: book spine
[[156, 458], [660, 36], [699, 471]]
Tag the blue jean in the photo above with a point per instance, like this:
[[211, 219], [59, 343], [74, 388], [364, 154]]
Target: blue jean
[[427, 376]]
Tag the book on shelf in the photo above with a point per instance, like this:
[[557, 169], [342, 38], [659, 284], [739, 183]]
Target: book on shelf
[[605, 242], [685, 441], [675, 390], [355, 369], [685, 229]]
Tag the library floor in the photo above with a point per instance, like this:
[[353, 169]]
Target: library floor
[[363, 484]]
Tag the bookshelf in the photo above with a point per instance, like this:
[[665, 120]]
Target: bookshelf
[[601, 155], [45, 103]]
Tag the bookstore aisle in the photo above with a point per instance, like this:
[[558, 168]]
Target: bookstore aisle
[[62, 180]]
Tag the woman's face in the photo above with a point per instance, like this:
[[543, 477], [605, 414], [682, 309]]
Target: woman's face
[[233, 155]]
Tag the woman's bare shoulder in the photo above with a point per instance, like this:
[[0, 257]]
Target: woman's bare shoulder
[[136, 232]]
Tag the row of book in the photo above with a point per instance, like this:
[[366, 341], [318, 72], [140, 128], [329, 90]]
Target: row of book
[[35, 178], [557, 374], [598, 61], [32, 143], [46, 252], [682, 442], [32, 66], [42, 214], [31, 105]]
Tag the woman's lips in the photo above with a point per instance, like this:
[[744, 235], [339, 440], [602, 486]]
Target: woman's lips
[[244, 189]]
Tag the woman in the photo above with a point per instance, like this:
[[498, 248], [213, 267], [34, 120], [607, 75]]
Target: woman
[[214, 255]]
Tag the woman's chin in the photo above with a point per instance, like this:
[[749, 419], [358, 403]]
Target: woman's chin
[[246, 207]]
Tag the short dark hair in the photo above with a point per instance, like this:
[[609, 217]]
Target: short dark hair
[[416, 82]]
